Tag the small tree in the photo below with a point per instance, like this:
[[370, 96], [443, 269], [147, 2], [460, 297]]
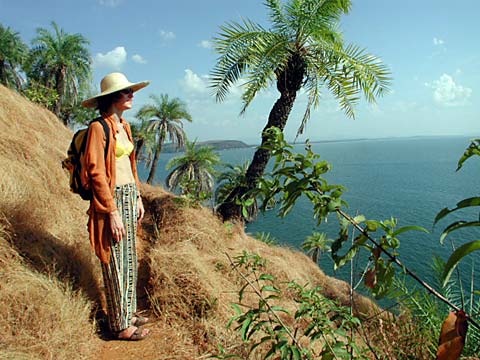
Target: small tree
[[165, 116], [315, 244], [194, 170]]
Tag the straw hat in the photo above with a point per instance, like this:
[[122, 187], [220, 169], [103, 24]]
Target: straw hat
[[112, 83]]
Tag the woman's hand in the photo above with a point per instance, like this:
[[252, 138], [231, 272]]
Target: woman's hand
[[140, 209], [116, 226]]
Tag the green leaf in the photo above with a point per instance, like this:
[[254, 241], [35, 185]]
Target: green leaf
[[409, 228], [473, 201], [269, 288], [244, 329], [372, 225], [455, 258], [237, 309], [455, 226], [296, 353], [267, 277], [359, 219], [473, 149], [279, 309]]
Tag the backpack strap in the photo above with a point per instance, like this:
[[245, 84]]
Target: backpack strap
[[106, 128]]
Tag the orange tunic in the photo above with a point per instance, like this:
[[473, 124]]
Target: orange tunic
[[101, 174]]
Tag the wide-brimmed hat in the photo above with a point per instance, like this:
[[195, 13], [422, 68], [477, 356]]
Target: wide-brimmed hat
[[112, 83]]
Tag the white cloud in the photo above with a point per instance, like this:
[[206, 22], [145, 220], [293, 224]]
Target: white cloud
[[110, 3], [139, 59], [447, 92], [206, 44], [167, 35], [437, 41], [192, 83], [113, 59]]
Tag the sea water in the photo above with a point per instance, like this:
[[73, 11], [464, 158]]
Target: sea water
[[410, 179]]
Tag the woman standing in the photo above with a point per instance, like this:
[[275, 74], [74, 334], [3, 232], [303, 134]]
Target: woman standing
[[111, 171]]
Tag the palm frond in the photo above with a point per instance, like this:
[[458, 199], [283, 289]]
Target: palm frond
[[236, 44], [272, 58]]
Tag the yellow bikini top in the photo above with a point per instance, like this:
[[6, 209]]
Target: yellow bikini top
[[123, 149]]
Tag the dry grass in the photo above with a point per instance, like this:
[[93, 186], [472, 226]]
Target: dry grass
[[41, 316], [46, 267]]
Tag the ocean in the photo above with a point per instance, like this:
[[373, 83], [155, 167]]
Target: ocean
[[410, 179]]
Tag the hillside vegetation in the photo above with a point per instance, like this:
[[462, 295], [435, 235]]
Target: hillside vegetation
[[50, 281]]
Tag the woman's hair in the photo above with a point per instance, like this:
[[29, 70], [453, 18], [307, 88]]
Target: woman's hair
[[104, 102]]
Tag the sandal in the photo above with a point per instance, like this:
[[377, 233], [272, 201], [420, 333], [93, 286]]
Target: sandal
[[140, 321], [137, 335]]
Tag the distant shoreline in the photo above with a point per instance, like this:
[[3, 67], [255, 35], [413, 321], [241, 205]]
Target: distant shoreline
[[238, 144]]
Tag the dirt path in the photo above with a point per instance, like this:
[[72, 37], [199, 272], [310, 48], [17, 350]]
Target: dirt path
[[163, 343]]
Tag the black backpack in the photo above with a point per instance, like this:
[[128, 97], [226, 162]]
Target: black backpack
[[74, 160]]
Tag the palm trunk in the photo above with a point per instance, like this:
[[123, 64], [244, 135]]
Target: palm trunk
[[289, 81], [156, 156], [3, 73], [138, 148], [60, 87]]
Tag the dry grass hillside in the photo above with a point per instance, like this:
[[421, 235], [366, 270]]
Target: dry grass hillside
[[50, 281]]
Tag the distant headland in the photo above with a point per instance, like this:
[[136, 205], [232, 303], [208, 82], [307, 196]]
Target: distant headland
[[216, 144]]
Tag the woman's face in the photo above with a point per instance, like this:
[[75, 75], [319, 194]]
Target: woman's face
[[124, 100]]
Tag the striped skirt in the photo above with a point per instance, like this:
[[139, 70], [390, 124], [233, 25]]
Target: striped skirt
[[120, 275]]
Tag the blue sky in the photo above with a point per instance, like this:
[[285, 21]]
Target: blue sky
[[430, 46]]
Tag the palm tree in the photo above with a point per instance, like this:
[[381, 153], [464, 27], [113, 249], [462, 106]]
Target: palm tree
[[13, 52], [195, 169], [62, 62], [303, 48], [315, 244], [229, 180], [165, 117]]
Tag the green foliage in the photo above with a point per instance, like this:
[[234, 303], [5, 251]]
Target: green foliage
[[315, 244], [467, 248], [473, 149], [13, 52], [382, 272], [40, 94], [61, 62], [318, 329], [232, 178], [296, 175], [191, 193], [266, 237], [193, 171], [428, 313]]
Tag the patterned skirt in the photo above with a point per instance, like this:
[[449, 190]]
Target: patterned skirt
[[120, 275]]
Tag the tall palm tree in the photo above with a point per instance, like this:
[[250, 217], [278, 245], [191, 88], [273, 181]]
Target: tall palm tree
[[62, 62], [303, 48], [315, 244], [13, 52], [195, 166], [165, 116]]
